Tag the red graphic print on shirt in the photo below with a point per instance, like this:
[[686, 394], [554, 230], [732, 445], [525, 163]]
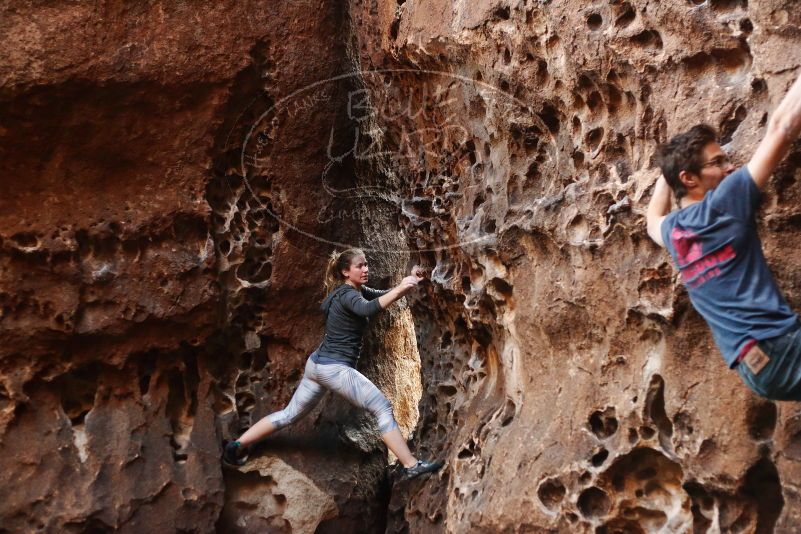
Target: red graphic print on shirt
[[687, 245], [696, 268]]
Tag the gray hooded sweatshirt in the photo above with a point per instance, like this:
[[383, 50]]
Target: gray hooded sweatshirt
[[347, 313]]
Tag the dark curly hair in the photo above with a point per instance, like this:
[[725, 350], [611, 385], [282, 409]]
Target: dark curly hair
[[683, 153]]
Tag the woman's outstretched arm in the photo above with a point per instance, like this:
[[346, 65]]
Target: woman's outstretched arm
[[406, 285]]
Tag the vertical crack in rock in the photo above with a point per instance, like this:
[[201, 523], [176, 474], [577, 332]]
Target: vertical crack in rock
[[655, 411]]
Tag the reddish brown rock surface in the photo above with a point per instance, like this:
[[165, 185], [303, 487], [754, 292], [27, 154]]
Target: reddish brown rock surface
[[568, 380], [149, 304], [174, 175]]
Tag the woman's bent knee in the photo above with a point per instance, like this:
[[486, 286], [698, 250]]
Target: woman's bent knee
[[385, 418], [282, 418]]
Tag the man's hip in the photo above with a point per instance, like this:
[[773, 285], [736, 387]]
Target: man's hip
[[772, 367]]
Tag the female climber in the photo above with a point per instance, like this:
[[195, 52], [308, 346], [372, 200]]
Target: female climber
[[348, 306]]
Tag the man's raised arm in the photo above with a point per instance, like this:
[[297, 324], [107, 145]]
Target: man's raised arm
[[658, 207], [783, 128]]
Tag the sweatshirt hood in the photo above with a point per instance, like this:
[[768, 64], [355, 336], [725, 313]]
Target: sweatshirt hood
[[326, 305]]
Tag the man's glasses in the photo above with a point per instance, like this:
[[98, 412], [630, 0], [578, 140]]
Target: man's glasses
[[721, 162]]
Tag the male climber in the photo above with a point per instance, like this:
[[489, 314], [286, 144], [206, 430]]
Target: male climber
[[713, 240]]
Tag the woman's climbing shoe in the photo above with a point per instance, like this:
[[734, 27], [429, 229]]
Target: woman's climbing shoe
[[234, 453], [420, 468]]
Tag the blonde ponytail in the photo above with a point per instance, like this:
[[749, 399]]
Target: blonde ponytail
[[338, 262]]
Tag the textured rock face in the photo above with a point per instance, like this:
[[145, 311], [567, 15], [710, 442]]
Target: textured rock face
[[174, 175], [150, 302], [567, 379]]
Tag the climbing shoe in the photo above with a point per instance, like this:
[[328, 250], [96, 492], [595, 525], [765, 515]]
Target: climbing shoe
[[234, 454], [420, 468]]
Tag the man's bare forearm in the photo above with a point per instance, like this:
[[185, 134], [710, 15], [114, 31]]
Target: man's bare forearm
[[787, 117], [783, 128], [658, 207]]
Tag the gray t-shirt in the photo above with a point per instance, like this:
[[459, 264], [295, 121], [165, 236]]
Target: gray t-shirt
[[348, 313]]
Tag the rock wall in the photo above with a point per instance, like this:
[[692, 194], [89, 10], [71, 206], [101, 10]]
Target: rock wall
[[152, 303], [174, 176], [568, 381]]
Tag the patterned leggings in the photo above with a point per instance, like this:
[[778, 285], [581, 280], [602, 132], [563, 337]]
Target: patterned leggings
[[342, 380]]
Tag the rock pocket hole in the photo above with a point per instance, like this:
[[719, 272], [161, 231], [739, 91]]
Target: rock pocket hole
[[599, 457], [507, 415], [471, 152], [730, 125], [25, 240], [502, 288], [655, 409], [614, 98], [763, 485], [245, 402], [626, 17], [594, 137], [447, 390], [465, 454], [647, 432], [146, 367], [550, 116], [578, 159], [728, 5], [746, 26], [702, 506], [551, 492], [502, 13], [594, 101], [78, 389], [648, 39], [603, 423], [593, 502], [542, 71], [761, 418], [182, 405]]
